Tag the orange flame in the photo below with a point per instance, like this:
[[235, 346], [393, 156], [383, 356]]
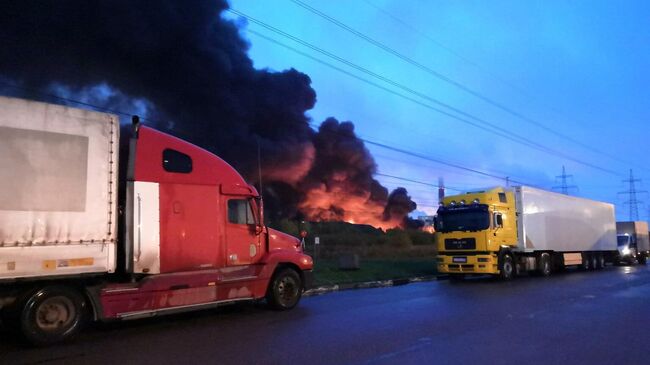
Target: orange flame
[[337, 204]]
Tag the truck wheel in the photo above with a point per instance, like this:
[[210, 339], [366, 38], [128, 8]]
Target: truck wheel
[[600, 262], [586, 262], [643, 259], [544, 268], [594, 261], [506, 267], [51, 314], [285, 290]]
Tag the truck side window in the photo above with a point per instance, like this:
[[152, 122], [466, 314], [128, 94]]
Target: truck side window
[[498, 220], [239, 212], [174, 161], [502, 198]]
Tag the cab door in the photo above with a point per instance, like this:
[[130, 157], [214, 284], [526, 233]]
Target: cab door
[[242, 234]]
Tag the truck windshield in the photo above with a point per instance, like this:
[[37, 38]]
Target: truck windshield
[[450, 220], [623, 240]]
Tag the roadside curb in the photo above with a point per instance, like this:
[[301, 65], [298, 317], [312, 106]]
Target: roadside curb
[[366, 285]]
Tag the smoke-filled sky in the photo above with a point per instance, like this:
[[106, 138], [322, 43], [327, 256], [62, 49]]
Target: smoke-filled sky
[[573, 77], [515, 89], [187, 70]]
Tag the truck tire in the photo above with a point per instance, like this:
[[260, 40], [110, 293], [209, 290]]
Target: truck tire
[[601, 261], [285, 289], [586, 262], [544, 265], [594, 261], [643, 259], [51, 314], [506, 267]]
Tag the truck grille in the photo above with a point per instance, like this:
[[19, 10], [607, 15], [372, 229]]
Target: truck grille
[[460, 244]]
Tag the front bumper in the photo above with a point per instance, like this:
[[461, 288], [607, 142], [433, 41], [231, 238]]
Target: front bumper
[[307, 279], [468, 263]]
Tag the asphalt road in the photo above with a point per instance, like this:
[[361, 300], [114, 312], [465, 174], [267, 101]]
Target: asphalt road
[[597, 317]]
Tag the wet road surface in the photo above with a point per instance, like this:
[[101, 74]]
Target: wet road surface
[[599, 317]]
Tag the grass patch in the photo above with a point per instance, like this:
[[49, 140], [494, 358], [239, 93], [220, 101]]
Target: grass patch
[[326, 272]]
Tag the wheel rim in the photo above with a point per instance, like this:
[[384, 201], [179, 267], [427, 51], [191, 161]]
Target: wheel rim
[[507, 268], [55, 314], [547, 267], [287, 290]]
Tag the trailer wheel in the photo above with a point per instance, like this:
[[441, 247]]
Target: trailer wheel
[[506, 267], [643, 259], [51, 314], [285, 290], [601, 261], [594, 261], [544, 268], [586, 262]]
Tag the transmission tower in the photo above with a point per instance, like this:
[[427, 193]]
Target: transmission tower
[[563, 187], [632, 201]]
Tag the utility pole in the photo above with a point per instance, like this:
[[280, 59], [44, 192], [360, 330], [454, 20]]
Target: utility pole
[[441, 189], [564, 188], [632, 201]]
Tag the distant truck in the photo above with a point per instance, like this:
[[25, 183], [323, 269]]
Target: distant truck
[[633, 242], [187, 234], [504, 231]]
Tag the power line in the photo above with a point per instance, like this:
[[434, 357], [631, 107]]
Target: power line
[[114, 111], [60, 98], [424, 157], [447, 79], [380, 156], [417, 182], [396, 149], [476, 65], [445, 47], [492, 128]]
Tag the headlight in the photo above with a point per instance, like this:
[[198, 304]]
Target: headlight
[[626, 251]]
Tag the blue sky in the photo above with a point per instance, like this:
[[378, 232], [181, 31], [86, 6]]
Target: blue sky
[[579, 68]]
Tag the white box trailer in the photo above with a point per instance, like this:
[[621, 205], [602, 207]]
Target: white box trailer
[[58, 198], [563, 223]]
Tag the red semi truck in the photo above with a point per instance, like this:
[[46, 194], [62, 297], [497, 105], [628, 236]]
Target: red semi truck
[[180, 230]]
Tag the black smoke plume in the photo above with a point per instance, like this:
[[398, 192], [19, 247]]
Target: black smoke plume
[[189, 69]]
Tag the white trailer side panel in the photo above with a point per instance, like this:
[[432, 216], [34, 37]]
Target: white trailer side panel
[[58, 192], [557, 222]]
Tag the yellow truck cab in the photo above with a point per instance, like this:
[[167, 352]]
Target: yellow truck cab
[[503, 231], [472, 228]]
